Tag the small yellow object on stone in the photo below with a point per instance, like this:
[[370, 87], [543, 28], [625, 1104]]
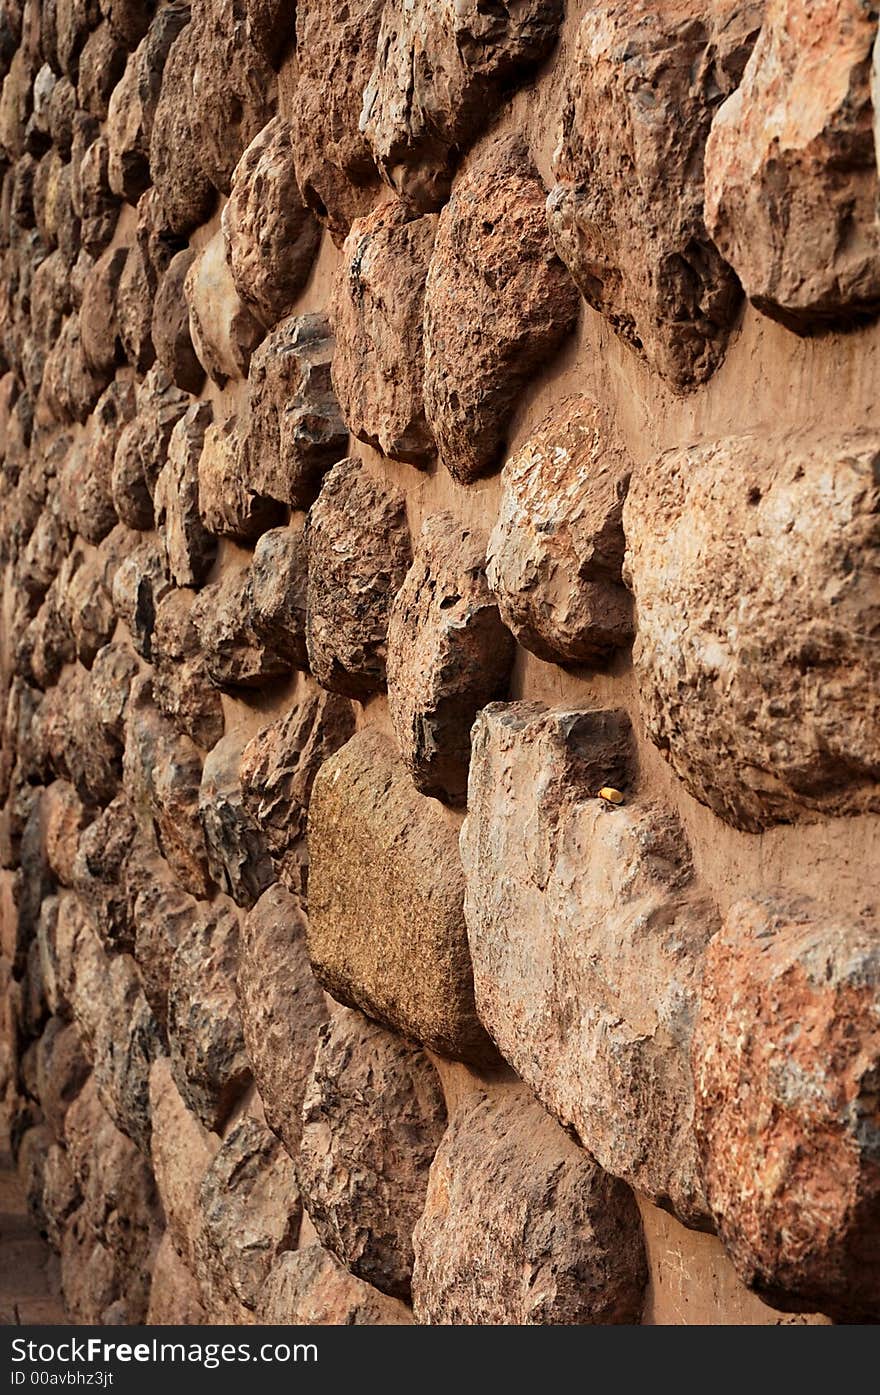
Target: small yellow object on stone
[[611, 796]]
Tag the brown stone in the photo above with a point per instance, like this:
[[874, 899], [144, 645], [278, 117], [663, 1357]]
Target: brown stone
[[277, 771], [791, 175], [181, 1151], [278, 585], [133, 104], [753, 563], [271, 237], [138, 587], [238, 859], [162, 914], [170, 329], [86, 480], [65, 817], [62, 1070], [523, 1227], [785, 1060], [99, 210], [627, 210], [251, 1205], [310, 1287], [70, 386], [142, 448], [181, 687], [189, 547], [89, 609], [98, 327], [229, 507], [376, 311], [372, 1119], [358, 550], [101, 65], [498, 304], [439, 77], [204, 1029], [235, 655], [127, 18], [293, 431], [555, 554], [61, 1196], [223, 330], [148, 257], [587, 928], [449, 653], [185, 192], [233, 85], [281, 1008], [175, 1296], [387, 934]]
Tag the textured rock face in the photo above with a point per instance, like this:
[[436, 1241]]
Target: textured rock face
[[377, 312], [438, 76], [521, 1226], [186, 193], [278, 590], [785, 1060], [227, 506], [181, 687], [132, 105], [235, 655], [587, 930], [642, 89], [170, 327], [181, 1151], [555, 554], [449, 654], [271, 237], [497, 305], [791, 176], [234, 86], [358, 552], [224, 332], [189, 548], [281, 1008], [142, 448], [237, 856], [363, 1165], [311, 1287], [755, 678], [390, 938]]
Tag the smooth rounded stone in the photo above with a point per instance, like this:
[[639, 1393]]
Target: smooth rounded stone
[[522, 1227], [133, 104], [791, 174], [334, 165], [64, 816], [163, 772], [182, 1150], [170, 330], [488, 332], [281, 1007], [373, 1117], [189, 548], [235, 656], [292, 432], [224, 332], [271, 237], [440, 75], [386, 929], [277, 771], [587, 915], [251, 1203], [162, 914], [229, 507], [753, 565], [71, 387], [555, 553], [309, 1287], [184, 190], [101, 65], [98, 327], [786, 1060], [181, 687], [238, 859], [279, 582], [626, 213], [175, 1296], [62, 1071], [138, 587], [449, 653], [376, 311], [142, 448], [208, 1058], [359, 550]]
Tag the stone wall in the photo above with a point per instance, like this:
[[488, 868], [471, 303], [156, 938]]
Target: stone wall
[[415, 419]]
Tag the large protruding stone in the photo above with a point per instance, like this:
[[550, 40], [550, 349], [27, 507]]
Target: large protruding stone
[[521, 1226], [187, 195], [753, 561], [498, 304], [386, 889], [229, 507], [224, 332], [309, 1286], [587, 929], [181, 686], [133, 104], [170, 326], [235, 655], [238, 859], [278, 592], [189, 547]]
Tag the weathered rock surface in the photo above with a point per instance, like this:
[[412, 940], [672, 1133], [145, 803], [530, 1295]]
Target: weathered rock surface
[[642, 90], [389, 937], [227, 505], [98, 872], [133, 104], [791, 175], [234, 86], [187, 195], [293, 431], [358, 550], [439, 76], [189, 547], [181, 687], [98, 325], [62, 1070], [170, 326], [277, 771], [251, 1205], [785, 1062], [223, 330], [753, 563], [373, 1117], [64, 816], [175, 1296], [235, 656], [587, 929], [377, 311], [162, 913], [278, 593], [208, 1058], [182, 1151], [522, 1227], [142, 448], [138, 587], [281, 1008], [310, 1286], [498, 304], [271, 237], [449, 653], [555, 554], [238, 859]]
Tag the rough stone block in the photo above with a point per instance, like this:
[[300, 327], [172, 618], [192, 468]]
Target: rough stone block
[[181, 687], [142, 448], [189, 547], [187, 195], [235, 656], [229, 507], [133, 104], [309, 1286], [238, 859], [170, 326], [278, 588], [224, 332]]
